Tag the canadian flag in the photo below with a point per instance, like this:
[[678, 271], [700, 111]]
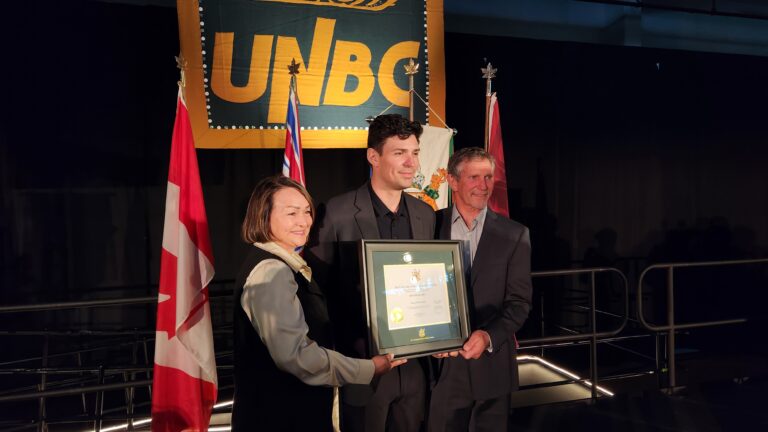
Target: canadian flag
[[498, 201], [185, 383]]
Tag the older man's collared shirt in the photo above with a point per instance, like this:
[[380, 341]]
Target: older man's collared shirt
[[392, 225], [469, 235]]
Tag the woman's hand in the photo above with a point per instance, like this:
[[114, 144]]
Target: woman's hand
[[384, 363]]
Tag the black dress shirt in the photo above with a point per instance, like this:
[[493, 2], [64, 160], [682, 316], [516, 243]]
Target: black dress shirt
[[391, 225]]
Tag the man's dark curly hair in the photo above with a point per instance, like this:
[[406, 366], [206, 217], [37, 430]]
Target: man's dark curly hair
[[389, 125]]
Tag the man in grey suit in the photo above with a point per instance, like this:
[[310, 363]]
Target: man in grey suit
[[474, 384], [377, 210]]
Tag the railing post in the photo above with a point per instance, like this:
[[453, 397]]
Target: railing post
[[82, 396], [593, 339], [130, 391], [658, 358], [671, 323], [146, 362], [99, 408], [542, 325], [41, 425]]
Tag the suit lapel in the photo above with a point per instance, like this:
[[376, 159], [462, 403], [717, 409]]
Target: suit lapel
[[414, 217], [365, 218], [445, 223], [484, 246]]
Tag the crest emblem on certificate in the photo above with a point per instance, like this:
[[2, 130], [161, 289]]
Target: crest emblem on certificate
[[415, 276]]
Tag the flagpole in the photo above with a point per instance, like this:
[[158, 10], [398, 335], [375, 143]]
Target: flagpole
[[489, 73], [411, 69]]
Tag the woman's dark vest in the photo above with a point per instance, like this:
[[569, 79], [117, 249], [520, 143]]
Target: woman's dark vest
[[266, 398]]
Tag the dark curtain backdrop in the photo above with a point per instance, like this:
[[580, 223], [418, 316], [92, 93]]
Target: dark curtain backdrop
[[643, 142], [612, 152]]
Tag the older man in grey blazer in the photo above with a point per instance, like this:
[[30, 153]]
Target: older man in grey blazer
[[377, 210], [474, 384]]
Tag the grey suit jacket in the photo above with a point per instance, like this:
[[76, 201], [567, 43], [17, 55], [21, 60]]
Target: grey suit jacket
[[499, 295], [332, 253]]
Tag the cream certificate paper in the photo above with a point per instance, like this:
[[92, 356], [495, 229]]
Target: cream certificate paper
[[416, 295]]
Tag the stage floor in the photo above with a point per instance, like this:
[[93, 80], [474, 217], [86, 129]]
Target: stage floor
[[703, 407]]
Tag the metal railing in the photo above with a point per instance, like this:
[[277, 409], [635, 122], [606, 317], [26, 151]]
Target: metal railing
[[672, 326], [549, 341], [43, 390], [593, 335], [77, 305], [143, 337]]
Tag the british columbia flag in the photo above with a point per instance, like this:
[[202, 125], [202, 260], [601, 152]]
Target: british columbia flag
[[293, 162]]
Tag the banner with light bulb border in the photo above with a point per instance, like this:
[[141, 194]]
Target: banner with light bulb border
[[351, 54]]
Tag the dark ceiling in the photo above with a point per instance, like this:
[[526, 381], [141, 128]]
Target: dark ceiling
[[725, 26]]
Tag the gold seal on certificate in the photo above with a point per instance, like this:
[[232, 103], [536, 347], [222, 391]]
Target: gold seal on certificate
[[415, 298]]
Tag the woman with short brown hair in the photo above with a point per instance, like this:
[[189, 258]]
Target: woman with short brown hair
[[284, 367]]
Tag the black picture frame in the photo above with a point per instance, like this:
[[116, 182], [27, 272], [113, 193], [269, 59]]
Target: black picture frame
[[440, 300]]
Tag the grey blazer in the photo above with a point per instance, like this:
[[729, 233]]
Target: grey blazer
[[499, 295], [333, 256]]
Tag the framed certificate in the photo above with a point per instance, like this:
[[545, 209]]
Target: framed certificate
[[415, 296]]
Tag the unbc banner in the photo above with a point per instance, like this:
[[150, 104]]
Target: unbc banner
[[351, 53]]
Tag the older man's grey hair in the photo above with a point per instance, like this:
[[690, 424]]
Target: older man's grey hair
[[468, 154]]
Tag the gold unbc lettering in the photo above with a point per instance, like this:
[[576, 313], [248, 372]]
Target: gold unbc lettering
[[258, 73], [395, 53], [310, 78], [344, 66]]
